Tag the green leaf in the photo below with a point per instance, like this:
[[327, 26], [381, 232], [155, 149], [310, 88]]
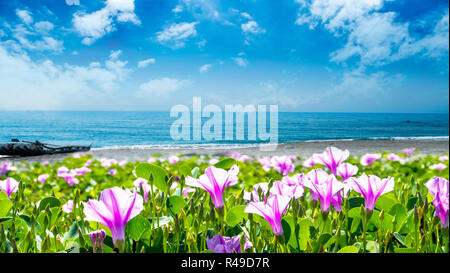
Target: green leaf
[[72, 233], [399, 238], [304, 232], [411, 202], [355, 202], [399, 211], [137, 226], [144, 170], [286, 230], [386, 202], [404, 250], [52, 201], [226, 163], [5, 206], [185, 170], [175, 204], [236, 215], [372, 247], [194, 172], [348, 249]]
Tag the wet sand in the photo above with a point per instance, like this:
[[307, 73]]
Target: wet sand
[[303, 149]]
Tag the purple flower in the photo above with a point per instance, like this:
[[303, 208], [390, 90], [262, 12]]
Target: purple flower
[[106, 163], [213, 161], [6, 167], [220, 244], [283, 164], [368, 159], [346, 170], [260, 187], [438, 187], [325, 188], [82, 171], [272, 211], [187, 191], [244, 158], [438, 167], [265, 163], [287, 190], [173, 159], [97, 237], [234, 155], [62, 170], [215, 181], [9, 186], [316, 176], [114, 209], [309, 163], [151, 160], [331, 158], [371, 187], [123, 163], [443, 158], [69, 177], [409, 151], [41, 178], [146, 188], [394, 157], [68, 207], [112, 172]]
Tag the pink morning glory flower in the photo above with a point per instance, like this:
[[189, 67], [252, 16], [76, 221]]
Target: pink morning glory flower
[[69, 177], [234, 155], [283, 164], [260, 187], [42, 178], [82, 171], [272, 211], [6, 167], [368, 159], [112, 172], [151, 160], [146, 188], [173, 159], [97, 237], [187, 191], [123, 163], [265, 163], [438, 167], [106, 163], [409, 151], [244, 158], [394, 157], [284, 189], [68, 207], [45, 163], [88, 163], [317, 176], [219, 244], [114, 209], [9, 186], [438, 187], [214, 181], [309, 163], [213, 161], [371, 187], [346, 170], [326, 189], [62, 170], [331, 158], [443, 158]]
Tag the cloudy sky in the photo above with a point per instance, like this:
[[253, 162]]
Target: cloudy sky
[[304, 55]]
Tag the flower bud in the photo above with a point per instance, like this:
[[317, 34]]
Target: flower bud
[[97, 238]]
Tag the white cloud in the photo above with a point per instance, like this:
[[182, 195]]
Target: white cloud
[[73, 2], [26, 38], [205, 68], [246, 15], [44, 85], [145, 63], [177, 9], [43, 27], [372, 35], [176, 35], [160, 88], [25, 16], [93, 26], [252, 27], [202, 9], [240, 61]]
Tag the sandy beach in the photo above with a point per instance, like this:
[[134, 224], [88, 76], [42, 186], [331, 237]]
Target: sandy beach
[[303, 149]]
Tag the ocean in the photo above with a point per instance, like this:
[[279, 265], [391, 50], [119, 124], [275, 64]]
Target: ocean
[[137, 129]]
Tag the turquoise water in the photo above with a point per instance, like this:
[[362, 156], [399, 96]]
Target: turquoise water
[[106, 129]]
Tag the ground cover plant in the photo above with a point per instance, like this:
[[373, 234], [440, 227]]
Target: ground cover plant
[[332, 202]]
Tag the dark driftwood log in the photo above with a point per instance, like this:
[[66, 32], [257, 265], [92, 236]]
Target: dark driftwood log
[[37, 148]]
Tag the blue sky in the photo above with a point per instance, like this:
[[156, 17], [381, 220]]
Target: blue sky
[[303, 55]]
